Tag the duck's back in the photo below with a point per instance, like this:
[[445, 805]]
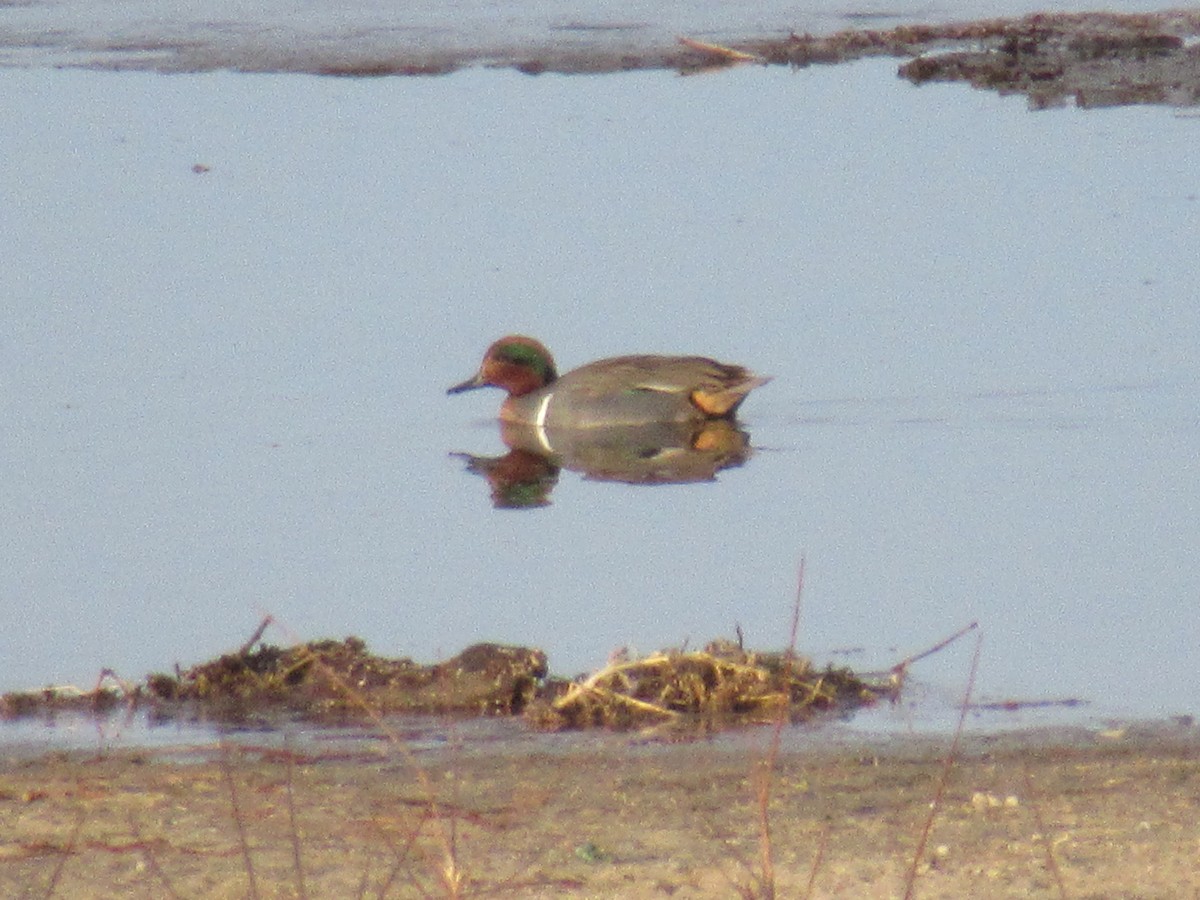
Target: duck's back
[[635, 390]]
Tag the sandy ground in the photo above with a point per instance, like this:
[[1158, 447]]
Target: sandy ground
[[1106, 815]]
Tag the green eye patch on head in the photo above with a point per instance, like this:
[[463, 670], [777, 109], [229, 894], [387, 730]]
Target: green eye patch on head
[[523, 355]]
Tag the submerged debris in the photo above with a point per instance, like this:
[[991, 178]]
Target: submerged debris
[[722, 686]]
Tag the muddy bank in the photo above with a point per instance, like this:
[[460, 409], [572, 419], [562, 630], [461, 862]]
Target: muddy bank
[[1091, 59], [1104, 816]]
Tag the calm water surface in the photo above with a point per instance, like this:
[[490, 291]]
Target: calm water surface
[[223, 391]]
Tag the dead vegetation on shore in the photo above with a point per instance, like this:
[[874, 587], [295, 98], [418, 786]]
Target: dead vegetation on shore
[[1091, 59], [722, 686]]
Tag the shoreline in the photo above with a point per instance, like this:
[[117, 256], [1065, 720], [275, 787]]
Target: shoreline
[[1093, 59]]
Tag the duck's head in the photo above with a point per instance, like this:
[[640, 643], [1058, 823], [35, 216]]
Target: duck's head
[[516, 363]]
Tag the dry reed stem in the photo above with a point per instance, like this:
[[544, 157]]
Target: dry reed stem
[[67, 852], [947, 764], [1051, 862], [453, 877], [361, 890], [239, 823], [666, 661], [606, 694], [400, 854], [718, 51], [129, 690], [151, 859], [901, 667], [822, 845], [771, 762], [451, 873], [297, 864], [266, 623]]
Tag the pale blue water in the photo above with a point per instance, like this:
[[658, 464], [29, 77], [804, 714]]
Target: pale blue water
[[224, 391]]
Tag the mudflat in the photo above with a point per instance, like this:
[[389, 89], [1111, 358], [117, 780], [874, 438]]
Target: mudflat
[[1102, 814]]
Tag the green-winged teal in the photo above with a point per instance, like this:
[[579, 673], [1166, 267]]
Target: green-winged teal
[[623, 390]]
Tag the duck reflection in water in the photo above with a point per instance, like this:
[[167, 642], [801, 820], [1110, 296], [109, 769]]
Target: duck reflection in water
[[632, 419], [663, 453]]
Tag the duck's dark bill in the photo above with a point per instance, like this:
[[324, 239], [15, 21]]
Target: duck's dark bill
[[470, 384]]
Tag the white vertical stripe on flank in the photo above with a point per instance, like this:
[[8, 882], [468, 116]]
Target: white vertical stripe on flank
[[539, 422]]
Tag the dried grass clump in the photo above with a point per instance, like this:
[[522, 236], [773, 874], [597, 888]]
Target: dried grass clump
[[721, 685], [335, 678]]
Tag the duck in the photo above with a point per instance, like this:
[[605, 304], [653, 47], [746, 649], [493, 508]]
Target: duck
[[621, 391]]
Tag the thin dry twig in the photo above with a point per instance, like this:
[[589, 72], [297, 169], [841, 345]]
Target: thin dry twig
[[266, 623], [769, 765], [617, 697], [297, 863], [947, 765], [239, 823], [1051, 862], [365, 879], [151, 859], [717, 51], [129, 690], [401, 854], [66, 853], [451, 872], [902, 666], [822, 844]]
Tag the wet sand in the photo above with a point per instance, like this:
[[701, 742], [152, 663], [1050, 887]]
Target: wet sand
[[1107, 815]]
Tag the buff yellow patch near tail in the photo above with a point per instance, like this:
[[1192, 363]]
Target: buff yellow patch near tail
[[716, 403]]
